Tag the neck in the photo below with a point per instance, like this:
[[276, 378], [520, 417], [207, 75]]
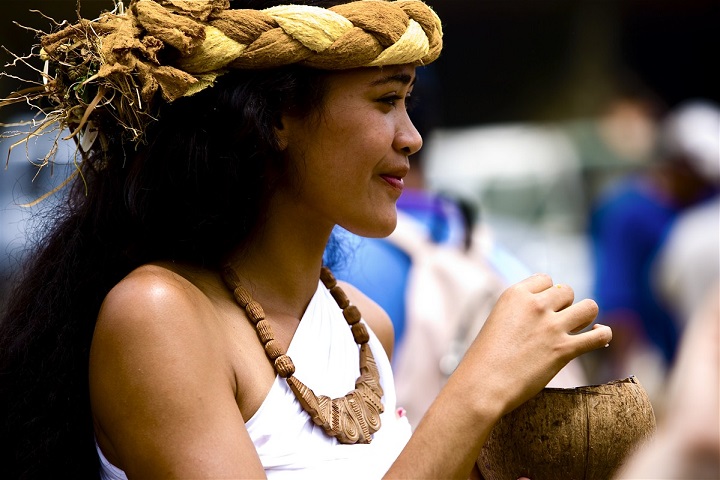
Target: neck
[[281, 266]]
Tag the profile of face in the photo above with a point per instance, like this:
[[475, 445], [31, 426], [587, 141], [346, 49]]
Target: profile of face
[[352, 153]]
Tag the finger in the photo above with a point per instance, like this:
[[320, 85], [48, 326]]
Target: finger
[[578, 316], [537, 283], [557, 297], [599, 337]]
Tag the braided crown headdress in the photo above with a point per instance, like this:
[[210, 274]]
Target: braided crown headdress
[[126, 61]]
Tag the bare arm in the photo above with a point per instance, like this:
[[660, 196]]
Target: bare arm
[[526, 340], [162, 391]]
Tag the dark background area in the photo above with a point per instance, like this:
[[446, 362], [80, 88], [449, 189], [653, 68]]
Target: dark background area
[[547, 59], [516, 60]]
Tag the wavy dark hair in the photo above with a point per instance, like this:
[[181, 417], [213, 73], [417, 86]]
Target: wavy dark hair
[[196, 190]]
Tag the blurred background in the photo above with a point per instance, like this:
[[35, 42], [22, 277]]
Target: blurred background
[[539, 107]]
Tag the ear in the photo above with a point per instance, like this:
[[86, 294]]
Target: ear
[[282, 134]]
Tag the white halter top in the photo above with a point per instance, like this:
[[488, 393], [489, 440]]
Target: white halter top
[[326, 359]]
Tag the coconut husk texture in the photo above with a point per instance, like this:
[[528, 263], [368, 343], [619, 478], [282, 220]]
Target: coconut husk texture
[[583, 433]]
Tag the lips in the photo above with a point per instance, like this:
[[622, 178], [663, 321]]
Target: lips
[[394, 181]]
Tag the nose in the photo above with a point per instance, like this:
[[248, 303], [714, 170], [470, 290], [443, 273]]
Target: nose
[[407, 138]]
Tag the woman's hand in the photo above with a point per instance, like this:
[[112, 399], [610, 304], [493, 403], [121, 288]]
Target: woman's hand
[[528, 337]]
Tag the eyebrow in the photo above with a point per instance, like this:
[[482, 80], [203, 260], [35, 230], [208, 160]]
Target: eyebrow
[[403, 78]]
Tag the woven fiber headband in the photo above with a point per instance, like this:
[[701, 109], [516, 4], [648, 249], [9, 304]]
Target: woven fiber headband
[[212, 39], [124, 61]]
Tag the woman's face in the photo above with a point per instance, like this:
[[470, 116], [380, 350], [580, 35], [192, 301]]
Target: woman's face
[[353, 153]]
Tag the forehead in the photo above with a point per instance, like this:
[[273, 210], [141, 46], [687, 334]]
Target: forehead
[[369, 77]]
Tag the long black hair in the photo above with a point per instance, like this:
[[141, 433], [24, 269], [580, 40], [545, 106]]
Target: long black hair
[[193, 192]]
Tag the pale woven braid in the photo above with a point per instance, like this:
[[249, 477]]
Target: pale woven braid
[[119, 67], [213, 39]]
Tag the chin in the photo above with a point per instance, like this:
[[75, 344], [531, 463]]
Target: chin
[[383, 233], [379, 229]]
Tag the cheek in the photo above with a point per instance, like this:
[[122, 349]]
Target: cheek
[[348, 155], [343, 151]]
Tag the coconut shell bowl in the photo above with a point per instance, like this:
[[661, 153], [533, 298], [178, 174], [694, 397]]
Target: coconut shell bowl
[[583, 433]]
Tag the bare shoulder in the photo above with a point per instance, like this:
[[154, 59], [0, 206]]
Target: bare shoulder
[[375, 316], [152, 306], [150, 290], [154, 326], [159, 360]]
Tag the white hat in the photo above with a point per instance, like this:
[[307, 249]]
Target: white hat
[[693, 131]]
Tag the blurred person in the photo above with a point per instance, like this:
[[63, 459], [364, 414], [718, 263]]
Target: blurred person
[[628, 226], [623, 138], [689, 259], [686, 444]]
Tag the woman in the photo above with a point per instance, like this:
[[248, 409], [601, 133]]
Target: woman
[[157, 332]]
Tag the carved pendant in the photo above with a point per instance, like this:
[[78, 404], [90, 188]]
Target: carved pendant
[[353, 418]]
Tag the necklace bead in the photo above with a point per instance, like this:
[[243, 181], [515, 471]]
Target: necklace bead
[[353, 418]]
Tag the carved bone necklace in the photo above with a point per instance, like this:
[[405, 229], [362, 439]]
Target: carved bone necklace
[[352, 418]]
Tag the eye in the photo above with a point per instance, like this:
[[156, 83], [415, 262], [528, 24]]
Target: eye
[[408, 100], [392, 99]]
